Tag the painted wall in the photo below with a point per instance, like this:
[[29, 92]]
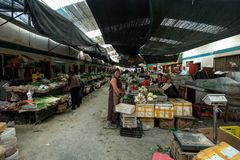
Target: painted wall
[[206, 54]]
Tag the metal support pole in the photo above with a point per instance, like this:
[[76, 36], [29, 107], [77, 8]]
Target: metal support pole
[[11, 19], [12, 9], [215, 125]]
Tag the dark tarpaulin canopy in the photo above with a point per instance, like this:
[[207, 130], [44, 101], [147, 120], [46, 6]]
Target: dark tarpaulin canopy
[[164, 27], [123, 23], [180, 25], [51, 24]]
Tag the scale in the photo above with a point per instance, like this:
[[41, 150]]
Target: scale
[[215, 100], [193, 142]]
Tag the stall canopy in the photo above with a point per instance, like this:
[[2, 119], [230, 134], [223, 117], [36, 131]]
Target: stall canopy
[[123, 23], [53, 25], [160, 29], [69, 25]]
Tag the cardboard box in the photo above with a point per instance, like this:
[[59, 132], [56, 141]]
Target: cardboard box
[[181, 107], [147, 123], [125, 108], [222, 137], [164, 110], [222, 151], [145, 110]]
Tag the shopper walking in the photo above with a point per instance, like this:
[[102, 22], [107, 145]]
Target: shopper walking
[[115, 93], [74, 87]]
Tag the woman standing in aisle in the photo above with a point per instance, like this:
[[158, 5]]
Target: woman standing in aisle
[[115, 93], [74, 86]]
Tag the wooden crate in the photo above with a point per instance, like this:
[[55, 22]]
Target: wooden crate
[[129, 121], [166, 123], [184, 122], [178, 154]]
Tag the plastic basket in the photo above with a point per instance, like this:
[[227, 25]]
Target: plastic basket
[[233, 130], [132, 132]]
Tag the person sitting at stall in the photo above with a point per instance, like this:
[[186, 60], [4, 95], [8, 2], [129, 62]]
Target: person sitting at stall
[[159, 80], [37, 76], [168, 88], [146, 81]]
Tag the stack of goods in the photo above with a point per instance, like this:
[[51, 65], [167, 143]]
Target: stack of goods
[[129, 120], [223, 151], [40, 87], [8, 141], [129, 123], [186, 145], [183, 113], [146, 114], [165, 112]]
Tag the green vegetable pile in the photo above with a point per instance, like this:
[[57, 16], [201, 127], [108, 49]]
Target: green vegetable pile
[[158, 93]]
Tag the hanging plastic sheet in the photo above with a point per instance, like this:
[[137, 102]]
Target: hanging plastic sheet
[[53, 25]]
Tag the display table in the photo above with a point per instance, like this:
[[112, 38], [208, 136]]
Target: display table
[[29, 116]]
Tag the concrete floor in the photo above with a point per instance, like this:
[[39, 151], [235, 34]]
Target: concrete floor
[[79, 135]]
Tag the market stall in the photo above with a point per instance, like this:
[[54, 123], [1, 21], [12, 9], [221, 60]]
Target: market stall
[[36, 101], [145, 107]]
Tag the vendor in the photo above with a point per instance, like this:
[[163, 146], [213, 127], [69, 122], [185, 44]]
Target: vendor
[[168, 88], [37, 76], [115, 93], [159, 80]]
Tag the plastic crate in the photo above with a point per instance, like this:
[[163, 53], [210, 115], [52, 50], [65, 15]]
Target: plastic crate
[[132, 132], [233, 130], [129, 121]]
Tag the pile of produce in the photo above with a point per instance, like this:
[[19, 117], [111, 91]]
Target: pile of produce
[[158, 93], [44, 102], [143, 90], [129, 99], [6, 106], [151, 96], [140, 99]]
